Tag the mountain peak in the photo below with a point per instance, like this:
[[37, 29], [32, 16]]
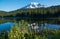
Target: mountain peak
[[34, 5]]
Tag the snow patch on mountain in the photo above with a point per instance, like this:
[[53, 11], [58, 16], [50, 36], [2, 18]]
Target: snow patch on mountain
[[34, 5]]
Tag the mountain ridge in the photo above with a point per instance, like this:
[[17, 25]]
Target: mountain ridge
[[51, 9]]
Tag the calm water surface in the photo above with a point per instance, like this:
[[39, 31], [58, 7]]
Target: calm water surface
[[8, 25]]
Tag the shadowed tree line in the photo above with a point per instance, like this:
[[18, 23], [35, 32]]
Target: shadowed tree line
[[49, 12], [52, 13]]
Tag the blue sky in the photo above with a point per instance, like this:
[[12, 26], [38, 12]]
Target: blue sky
[[9, 5]]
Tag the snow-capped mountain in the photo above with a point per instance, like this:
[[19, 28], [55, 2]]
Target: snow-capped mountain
[[34, 5]]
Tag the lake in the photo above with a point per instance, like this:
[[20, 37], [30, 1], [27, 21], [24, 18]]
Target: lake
[[8, 25]]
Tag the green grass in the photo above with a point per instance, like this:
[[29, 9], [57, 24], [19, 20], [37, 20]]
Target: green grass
[[23, 32]]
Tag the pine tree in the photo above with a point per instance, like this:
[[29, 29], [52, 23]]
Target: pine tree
[[4, 35]]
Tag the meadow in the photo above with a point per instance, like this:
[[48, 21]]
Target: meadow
[[24, 31]]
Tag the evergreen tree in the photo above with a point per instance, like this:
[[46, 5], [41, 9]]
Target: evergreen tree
[[4, 35]]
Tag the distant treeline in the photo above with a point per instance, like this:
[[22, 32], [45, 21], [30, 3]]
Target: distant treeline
[[37, 13]]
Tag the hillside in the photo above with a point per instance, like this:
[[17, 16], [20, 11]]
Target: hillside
[[53, 11], [49, 14]]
